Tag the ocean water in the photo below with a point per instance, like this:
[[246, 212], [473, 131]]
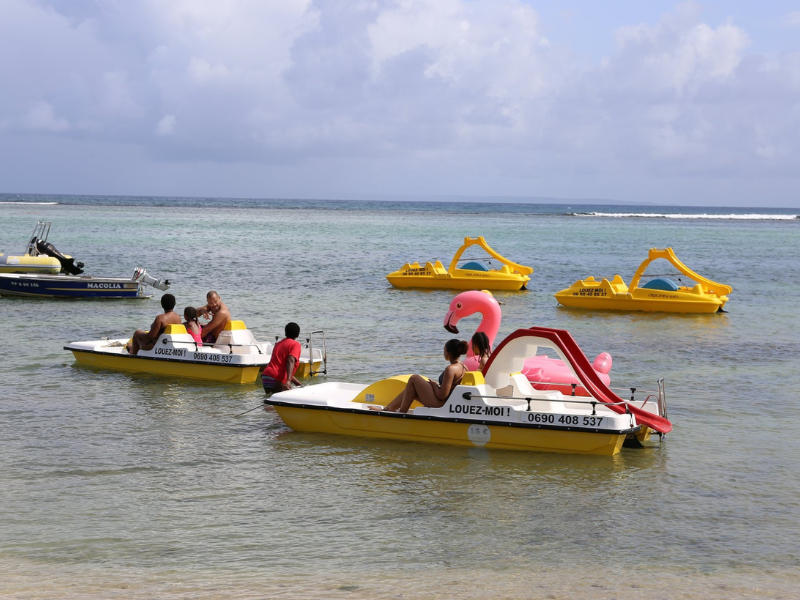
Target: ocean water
[[123, 485]]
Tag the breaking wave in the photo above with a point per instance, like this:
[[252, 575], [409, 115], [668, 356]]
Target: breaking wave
[[729, 216]]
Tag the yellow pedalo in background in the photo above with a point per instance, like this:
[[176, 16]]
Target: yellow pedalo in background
[[658, 295], [476, 274]]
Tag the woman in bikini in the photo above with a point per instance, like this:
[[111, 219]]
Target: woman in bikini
[[430, 393]]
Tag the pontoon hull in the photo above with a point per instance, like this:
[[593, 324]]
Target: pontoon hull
[[190, 370], [409, 428], [69, 286], [29, 264], [641, 300], [459, 280]]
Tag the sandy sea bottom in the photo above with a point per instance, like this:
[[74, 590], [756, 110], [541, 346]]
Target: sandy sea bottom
[[578, 581]]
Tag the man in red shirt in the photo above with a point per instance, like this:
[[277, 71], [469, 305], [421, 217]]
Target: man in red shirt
[[278, 375]]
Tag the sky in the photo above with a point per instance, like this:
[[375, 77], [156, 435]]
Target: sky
[[687, 103]]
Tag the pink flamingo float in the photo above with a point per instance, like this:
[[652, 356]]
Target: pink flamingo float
[[543, 372]]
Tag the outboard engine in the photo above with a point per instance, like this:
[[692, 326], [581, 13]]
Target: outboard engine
[[67, 264], [141, 276]]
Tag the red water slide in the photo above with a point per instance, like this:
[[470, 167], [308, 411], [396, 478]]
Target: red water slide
[[587, 375]]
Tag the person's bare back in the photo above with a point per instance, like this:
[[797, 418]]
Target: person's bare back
[[145, 340]]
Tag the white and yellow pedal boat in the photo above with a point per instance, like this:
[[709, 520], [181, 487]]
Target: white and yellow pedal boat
[[657, 295], [471, 274], [498, 409], [236, 357]]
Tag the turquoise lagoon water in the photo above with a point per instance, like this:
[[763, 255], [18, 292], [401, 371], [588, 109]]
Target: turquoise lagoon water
[[121, 485]]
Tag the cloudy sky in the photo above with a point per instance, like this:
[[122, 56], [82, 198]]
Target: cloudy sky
[[694, 103]]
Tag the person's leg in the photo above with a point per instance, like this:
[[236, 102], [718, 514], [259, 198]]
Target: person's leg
[[420, 389], [134, 347], [270, 386], [140, 342], [395, 404]]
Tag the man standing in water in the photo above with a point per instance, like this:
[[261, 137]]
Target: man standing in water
[[278, 375], [145, 340], [219, 315]]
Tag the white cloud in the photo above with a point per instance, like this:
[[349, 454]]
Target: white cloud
[[679, 51], [166, 126], [42, 117], [791, 19]]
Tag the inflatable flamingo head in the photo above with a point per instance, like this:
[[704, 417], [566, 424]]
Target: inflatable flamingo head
[[602, 364], [469, 303]]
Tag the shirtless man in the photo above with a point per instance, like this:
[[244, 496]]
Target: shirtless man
[[219, 314], [145, 340]]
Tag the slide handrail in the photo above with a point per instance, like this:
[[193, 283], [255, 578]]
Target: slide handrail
[[667, 253], [479, 241]]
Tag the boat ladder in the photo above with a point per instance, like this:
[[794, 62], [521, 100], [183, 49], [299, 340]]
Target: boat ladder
[[40, 232]]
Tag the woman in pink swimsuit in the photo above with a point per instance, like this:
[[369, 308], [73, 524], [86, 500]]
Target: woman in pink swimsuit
[[193, 325]]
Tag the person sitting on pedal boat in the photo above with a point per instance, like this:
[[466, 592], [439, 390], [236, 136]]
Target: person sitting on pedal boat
[[428, 392], [481, 348], [145, 340], [219, 314], [278, 375], [192, 324]]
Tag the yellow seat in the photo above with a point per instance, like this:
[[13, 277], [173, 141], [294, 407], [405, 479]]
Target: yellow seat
[[234, 326], [472, 378], [174, 329]]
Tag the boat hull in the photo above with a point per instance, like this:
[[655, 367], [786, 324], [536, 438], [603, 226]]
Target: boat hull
[[69, 286], [171, 368], [674, 304], [29, 264], [408, 427], [461, 280]]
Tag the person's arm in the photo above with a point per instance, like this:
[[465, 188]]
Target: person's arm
[[291, 361], [219, 319], [202, 311]]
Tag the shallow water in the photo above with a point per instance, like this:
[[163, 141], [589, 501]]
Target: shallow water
[[115, 484]]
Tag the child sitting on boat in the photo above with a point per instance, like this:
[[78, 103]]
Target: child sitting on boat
[[481, 348], [192, 325]]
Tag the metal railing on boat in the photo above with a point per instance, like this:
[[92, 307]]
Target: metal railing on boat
[[659, 395], [593, 403], [199, 347]]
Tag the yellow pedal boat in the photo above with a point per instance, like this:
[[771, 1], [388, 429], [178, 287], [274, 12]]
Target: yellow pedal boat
[[658, 295], [471, 275], [236, 357], [496, 409]]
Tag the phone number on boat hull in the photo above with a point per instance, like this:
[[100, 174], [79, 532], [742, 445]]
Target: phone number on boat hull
[[217, 358], [549, 418]]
